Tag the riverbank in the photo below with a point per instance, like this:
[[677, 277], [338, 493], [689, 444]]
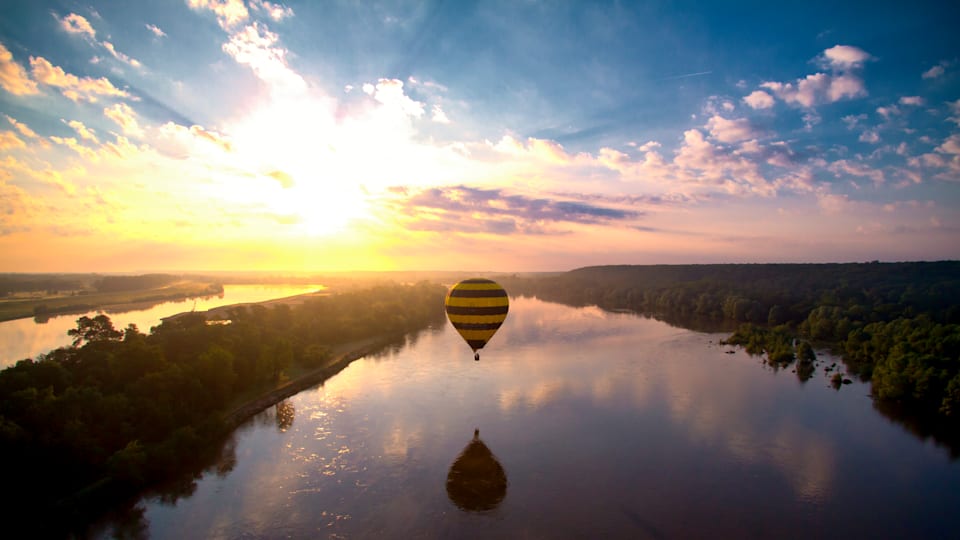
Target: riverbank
[[343, 355]]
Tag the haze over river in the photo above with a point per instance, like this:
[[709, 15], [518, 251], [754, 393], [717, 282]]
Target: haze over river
[[603, 425], [26, 338]]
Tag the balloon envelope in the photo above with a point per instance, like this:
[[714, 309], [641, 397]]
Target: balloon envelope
[[476, 308]]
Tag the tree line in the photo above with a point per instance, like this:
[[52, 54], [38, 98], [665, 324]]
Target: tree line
[[120, 410], [896, 324]]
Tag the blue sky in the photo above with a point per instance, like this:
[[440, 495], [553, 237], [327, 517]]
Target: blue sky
[[210, 134]]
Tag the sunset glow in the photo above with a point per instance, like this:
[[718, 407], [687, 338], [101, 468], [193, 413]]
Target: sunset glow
[[222, 134]]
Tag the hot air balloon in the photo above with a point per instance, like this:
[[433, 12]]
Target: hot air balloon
[[476, 308]]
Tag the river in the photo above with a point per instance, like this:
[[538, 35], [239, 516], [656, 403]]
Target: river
[[26, 338], [575, 423]]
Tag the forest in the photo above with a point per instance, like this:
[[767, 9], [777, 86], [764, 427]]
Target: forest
[[897, 325], [121, 410]]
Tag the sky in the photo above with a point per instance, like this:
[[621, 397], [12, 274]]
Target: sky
[[180, 135]]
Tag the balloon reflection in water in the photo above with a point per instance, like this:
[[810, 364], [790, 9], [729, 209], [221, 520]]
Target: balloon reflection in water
[[476, 481]]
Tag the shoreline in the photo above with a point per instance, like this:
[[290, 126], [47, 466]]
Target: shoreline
[[346, 353]]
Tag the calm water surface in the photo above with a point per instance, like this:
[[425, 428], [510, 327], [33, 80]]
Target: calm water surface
[[26, 338], [604, 425]]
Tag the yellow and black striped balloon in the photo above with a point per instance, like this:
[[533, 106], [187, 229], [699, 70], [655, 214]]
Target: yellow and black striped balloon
[[476, 308]]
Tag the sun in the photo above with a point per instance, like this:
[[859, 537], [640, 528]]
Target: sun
[[325, 208]]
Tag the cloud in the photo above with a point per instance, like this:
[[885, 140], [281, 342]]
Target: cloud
[[73, 87], [120, 56], [804, 92], [83, 131], [73, 144], [730, 131], [843, 57], [285, 180], [13, 77], [701, 162], [955, 110], [951, 145], [848, 168], [439, 116], [758, 99], [845, 86], [832, 203], [390, 93], [469, 210], [853, 120], [821, 88], [194, 139], [123, 115], [10, 141], [888, 111], [229, 12], [22, 128], [254, 46], [936, 71], [276, 12], [817, 88], [77, 24], [155, 30], [951, 150], [870, 136], [916, 101]]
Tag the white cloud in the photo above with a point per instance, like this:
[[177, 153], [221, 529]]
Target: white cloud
[[758, 99], [804, 92], [390, 93], [810, 119], [13, 77], [870, 136], [845, 167], [73, 87], [845, 86], [77, 24], [955, 110], [935, 72], [276, 12], [888, 111], [155, 30], [729, 131], [254, 46], [832, 203], [123, 115], [648, 146], [843, 57], [229, 12], [912, 100], [851, 121], [83, 131], [119, 55], [194, 139], [9, 141], [439, 116], [73, 144], [951, 145], [22, 128]]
